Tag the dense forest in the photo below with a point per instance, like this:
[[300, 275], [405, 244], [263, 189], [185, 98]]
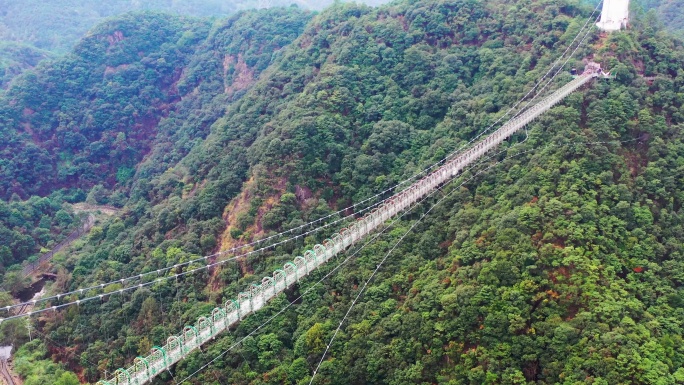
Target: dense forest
[[16, 58], [58, 25], [670, 12], [560, 264], [34, 30]]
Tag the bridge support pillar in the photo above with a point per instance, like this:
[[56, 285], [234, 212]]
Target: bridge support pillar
[[614, 16]]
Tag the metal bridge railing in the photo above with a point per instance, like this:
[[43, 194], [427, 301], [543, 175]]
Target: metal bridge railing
[[257, 295]]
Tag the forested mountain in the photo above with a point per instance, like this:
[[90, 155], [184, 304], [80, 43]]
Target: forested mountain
[[562, 264], [670, 12], [16, 58], [59, 24], [90, 117], [32, 30], [145, 86]]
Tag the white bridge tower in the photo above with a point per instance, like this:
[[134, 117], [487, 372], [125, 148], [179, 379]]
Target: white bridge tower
[[614, 15]]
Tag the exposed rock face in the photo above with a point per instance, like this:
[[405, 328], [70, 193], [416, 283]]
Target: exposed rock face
[[237, 74], [116, 37]]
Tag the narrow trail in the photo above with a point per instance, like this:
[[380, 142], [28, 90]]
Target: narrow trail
[[84, 228], [93, 212]]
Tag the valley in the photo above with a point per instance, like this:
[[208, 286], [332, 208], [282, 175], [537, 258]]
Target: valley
[[197, 155]]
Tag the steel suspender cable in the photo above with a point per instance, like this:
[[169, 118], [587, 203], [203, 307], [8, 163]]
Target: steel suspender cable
[[313, 286], [365, 285], [141, 276], [309, 289]]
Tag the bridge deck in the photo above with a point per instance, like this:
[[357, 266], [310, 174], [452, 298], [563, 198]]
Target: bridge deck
[[207, 327]]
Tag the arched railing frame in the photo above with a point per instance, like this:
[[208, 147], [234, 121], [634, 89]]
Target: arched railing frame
[[339, 241]]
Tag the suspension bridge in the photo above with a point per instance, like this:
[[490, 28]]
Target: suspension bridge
[[207, 327]]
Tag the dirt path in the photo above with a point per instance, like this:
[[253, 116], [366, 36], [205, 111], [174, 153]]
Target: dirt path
[[93, 209], [93, 212], [6, 374], [84, 228]]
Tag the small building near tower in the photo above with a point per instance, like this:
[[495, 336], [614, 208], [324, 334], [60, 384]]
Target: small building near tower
[[614, 16]]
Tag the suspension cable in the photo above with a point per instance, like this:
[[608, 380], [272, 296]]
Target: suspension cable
[[313, 286], [379, 265], [204, 258]]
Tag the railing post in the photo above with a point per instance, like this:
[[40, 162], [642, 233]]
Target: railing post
[[338, 242]]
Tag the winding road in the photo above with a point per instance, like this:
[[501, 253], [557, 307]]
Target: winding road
[[46, 257]]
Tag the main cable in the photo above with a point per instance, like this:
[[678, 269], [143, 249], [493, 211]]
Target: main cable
[[363, 288], [373, 238], [123, 290], [183, 264], [365, 285], [204, 258], [290, 303], [309, 289], [541, 80], [565, 62]]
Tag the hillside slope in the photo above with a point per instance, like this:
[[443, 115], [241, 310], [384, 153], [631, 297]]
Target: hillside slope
[[670, 12], [561, 265], [58, 25], [68, 120], [131, 101], [16, 58], [92, 116], [32, 30]]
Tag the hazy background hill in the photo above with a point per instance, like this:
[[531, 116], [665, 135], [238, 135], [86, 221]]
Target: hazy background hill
[[31, 30], [17, 57], [57, 25], [670, 12]]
